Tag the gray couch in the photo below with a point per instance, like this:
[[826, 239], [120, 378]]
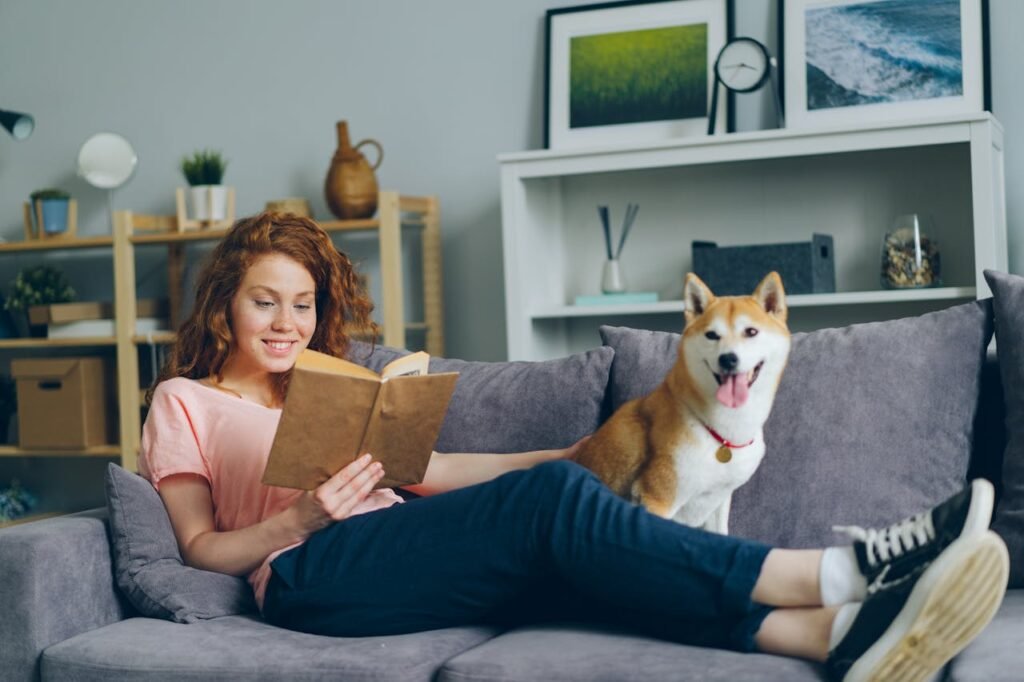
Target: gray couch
[[870, 421]]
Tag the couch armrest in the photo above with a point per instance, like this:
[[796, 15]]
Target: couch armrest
[[56, 581]]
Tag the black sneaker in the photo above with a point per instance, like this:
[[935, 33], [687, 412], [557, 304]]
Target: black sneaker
[[899, 552], [907, 630]]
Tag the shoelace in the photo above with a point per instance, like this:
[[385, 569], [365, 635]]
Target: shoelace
[[892, 542]]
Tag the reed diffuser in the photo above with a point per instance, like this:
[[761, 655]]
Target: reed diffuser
[[612, 279]]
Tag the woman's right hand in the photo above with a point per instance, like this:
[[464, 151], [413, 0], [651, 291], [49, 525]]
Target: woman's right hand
[[336, 497]]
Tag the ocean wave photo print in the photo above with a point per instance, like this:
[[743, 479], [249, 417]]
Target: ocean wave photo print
[[874, 60]]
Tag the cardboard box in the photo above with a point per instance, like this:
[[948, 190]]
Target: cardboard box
[[62, 402], [92, 310], [805, 267]]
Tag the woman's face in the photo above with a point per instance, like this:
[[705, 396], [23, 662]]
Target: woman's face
[[273, 316]]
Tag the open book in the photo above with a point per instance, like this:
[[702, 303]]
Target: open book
[[337, 410]]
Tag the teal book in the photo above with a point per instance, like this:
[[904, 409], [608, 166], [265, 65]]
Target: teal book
[[626, 297]]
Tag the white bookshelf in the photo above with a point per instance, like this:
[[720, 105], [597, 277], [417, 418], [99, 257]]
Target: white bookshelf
[[746, 188]]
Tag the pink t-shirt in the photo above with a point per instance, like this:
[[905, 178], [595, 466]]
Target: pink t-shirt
[[196, 429]]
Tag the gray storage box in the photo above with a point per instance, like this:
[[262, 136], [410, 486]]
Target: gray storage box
[[805, 267]]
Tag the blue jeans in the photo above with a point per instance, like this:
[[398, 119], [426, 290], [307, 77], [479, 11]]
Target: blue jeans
[[547, 543]]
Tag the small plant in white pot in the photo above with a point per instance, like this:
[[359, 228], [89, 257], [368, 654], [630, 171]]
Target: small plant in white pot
[[204, 171]]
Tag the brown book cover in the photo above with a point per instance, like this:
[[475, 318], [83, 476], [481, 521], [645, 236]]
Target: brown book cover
[[337, 410]]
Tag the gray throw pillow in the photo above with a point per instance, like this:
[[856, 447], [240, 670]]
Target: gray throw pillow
[[1008, 291], [871, 423], [148, 567], [514, 406]]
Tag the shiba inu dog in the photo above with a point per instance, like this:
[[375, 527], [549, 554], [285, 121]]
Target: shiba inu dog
[[683, 449]]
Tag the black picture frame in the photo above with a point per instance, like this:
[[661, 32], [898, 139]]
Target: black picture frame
[[555, 136]]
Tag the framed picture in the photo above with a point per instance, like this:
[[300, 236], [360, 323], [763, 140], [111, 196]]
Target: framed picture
[[855, 61], [629, 72]]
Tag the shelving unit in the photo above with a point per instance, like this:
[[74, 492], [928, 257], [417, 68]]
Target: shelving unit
[[746, 188], [131, 230]]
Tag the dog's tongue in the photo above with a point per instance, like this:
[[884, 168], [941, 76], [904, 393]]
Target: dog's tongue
[[733, 391]]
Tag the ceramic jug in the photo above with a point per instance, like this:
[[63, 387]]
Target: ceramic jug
[[351, 185]]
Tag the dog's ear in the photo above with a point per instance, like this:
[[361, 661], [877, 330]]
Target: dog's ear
[[697, 296], [772, 297]]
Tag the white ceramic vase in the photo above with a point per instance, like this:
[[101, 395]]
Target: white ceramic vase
[[612, 280]]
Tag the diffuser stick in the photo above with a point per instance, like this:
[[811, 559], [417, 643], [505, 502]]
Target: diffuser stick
[[606, 226], [627, 224]]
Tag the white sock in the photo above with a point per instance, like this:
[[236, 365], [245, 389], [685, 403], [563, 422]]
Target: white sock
[[841, 625], [840, 577]]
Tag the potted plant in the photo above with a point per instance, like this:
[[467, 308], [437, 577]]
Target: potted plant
[[15, 501], [204, 171], [53, 209], [37, 285]]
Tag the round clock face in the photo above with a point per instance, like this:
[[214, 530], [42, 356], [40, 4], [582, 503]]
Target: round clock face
[[742, 65]]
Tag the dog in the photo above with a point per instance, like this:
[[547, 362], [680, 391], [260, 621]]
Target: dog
[[683, 449]]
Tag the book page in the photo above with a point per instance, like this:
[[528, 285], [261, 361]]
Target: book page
[[414, 364], [321, 362]]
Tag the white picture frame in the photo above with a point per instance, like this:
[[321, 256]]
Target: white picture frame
[[856, 62], [606, 20]]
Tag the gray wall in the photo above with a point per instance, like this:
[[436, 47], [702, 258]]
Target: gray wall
[[445, 86]]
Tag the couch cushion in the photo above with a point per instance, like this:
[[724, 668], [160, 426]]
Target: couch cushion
[[872, 422], [246, 648], [514, 406], [996, 655], [1008, 291], [148, 567], [571, 652]]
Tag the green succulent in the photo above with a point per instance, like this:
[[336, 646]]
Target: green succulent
[[39, 285], [49, 193], [15, 501], [204, 167]]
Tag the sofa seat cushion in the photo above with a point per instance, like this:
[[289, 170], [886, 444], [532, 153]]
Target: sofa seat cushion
[[562, 652], [996, 655], [246, 648]]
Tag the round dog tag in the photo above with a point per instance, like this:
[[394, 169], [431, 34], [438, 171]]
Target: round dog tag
[[723, 455]]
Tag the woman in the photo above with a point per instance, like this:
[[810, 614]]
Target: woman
[[506, 538]]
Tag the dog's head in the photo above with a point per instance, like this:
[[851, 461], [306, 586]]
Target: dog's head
[[735, 347]]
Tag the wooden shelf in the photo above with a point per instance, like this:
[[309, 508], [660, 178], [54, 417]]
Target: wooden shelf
[[58, 244], [97, 451], [177, 237], [81, 342]]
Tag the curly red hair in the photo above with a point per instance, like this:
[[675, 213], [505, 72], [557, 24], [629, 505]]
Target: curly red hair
[[205, 338]]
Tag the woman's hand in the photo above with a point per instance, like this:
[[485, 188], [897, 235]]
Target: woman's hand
[[336, 497]]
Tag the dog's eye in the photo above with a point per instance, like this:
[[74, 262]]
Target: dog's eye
[[750, 331], [712, 335]]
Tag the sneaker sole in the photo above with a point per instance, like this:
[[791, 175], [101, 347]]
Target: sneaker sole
[[953, 601]]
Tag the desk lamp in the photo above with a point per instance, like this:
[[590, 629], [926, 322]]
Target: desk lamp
[[19, 125]]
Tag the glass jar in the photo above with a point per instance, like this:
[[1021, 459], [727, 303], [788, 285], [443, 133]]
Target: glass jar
[[910, 258]]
